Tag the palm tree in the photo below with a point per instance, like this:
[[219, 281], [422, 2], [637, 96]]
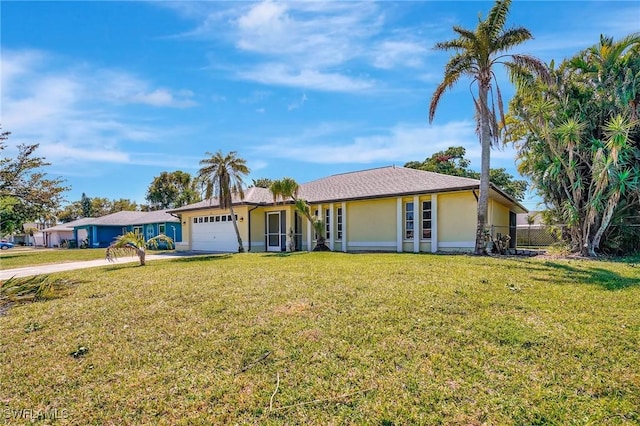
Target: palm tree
[[134, 243], [288, 188], [475, 54], [222, 176]]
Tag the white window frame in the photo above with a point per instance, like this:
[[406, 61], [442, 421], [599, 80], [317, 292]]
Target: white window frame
[[138, 230], [339, 224], [409, 221], [327, 224], [423, 220], [162, 229]]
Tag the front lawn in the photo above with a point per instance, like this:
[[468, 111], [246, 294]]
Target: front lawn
[[331, 338]]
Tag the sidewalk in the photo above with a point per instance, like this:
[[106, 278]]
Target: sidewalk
[[70, 266]]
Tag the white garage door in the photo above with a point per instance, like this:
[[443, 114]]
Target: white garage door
[[213, 233]]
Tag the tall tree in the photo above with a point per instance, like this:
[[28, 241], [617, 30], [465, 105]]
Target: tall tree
[[452, 162], [25, 192], [85, 205], [222, 177], [171, 190], [577, 139], [476, 53]]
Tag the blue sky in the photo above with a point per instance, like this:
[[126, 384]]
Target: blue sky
[[117, 92]]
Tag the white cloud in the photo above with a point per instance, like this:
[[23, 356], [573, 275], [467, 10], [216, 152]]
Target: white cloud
[[390, 54], [306, 44], [122, 87], [401, 143], [75, 112], [282, 75]]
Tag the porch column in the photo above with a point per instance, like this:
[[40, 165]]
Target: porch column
[[288, 224], [399, 220], [331, 230], [309, 236], [417, 223], [344, 227], [434, 223], [94, 237]]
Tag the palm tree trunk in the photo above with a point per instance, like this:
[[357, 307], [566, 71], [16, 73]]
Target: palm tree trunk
[[141, 255], [485, 143], [235, 226]]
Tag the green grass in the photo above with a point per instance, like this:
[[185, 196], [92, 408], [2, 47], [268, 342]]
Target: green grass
[[353, 339], [30, 257]]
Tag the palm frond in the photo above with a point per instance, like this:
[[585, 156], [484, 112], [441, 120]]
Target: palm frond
[[511, 38], [533, 65], [497, 17], [457, 66], [468, 37]]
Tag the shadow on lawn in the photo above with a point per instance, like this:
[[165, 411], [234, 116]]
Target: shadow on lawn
[[284, 254], [605, 278], [203, 258]]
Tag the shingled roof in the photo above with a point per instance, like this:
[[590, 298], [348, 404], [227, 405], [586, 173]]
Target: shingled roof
[[68, 226], [387, 181], [381, 182], [253, 195], [124, 218]]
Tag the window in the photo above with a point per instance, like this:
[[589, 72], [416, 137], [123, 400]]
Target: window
[[206, 219], [408, 221], [161, 229], [200, 219], [224, 218], [212, 218], [195, 220], [426, 220], [327, 224], [217, 218], [137, 230], [339, 223], [124, 230]]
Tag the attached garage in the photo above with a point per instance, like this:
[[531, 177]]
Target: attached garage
[[213, 233]]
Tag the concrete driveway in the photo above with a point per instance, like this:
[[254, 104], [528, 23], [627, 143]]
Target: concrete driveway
[[70, 266]]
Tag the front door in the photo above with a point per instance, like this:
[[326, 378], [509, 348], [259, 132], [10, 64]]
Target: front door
[[273, 231]]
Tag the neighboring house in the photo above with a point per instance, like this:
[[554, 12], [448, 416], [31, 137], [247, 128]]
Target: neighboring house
[[384, 209], [55, 235], [25, 239], [101, 231]]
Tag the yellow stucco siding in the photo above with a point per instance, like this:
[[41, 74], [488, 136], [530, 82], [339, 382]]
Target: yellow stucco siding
[[457, 216], [371, 221], [499, 217]]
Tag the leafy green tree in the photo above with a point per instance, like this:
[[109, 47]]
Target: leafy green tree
[[85, 205], [70, 212], [222, 177], [25, 192], [476, 53], [171, 190], [452, 162], [577, 139], [101, 206], [286, 188], [262, 182], [134, 243], [123, 204]]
